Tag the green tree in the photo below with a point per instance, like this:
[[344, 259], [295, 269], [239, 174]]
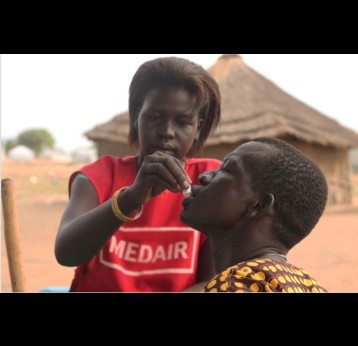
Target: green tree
[[36, 139], [10, 143]]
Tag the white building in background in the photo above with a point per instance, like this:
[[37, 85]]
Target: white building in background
[[85, 155], [21, 153], [61, 157], [57, 155]]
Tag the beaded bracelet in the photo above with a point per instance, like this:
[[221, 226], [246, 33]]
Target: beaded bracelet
[[117, 211]]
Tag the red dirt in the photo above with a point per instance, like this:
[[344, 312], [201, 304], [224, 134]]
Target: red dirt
[[329, 253]]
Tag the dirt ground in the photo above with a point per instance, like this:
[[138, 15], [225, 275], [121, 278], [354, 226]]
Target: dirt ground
[[329, 253]]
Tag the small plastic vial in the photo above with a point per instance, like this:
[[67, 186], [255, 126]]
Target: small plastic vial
[[187, 192]]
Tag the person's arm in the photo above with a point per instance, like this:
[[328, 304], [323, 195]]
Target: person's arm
[[86, 226]]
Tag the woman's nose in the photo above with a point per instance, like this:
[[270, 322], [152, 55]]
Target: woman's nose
[[166, 128]]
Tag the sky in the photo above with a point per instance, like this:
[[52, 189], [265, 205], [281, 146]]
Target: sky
[[70, 94]]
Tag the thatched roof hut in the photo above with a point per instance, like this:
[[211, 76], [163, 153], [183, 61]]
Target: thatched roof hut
[[253, 106], [112, 137]]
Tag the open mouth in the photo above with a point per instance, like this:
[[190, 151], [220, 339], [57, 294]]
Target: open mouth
[[190, 198]]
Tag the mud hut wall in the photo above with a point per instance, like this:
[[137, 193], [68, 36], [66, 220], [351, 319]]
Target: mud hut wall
[[333, 162], [115, 149], [219, 151], [353, 155]]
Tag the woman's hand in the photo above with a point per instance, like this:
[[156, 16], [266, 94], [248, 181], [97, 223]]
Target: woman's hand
[[157, 173]]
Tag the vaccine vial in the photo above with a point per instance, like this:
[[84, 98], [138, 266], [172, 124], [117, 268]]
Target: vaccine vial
[[187, 192]]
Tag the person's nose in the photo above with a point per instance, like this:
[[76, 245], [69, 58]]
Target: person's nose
[[166, 129], [205, 178]]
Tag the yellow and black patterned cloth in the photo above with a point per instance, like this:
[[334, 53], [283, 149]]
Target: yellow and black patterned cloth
[[263, 275]]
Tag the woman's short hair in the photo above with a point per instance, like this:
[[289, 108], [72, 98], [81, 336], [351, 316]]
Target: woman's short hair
[[173, 71]]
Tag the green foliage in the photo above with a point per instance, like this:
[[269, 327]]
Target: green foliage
[[9, 144], [36, 139]]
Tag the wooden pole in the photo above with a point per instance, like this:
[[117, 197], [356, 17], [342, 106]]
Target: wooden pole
[[12, 235]]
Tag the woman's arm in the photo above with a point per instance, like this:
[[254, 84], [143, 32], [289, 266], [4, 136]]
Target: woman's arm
[[86, 226]]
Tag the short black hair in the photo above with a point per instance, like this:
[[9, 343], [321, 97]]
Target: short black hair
[[174, 71], [299, 187]]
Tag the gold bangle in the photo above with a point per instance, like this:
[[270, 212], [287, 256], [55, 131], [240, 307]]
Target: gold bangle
[[117, 211]]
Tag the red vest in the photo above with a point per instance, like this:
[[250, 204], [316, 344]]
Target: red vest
[[157, 252]]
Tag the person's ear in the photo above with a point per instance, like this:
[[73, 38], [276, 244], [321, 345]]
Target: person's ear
[[261, 206]]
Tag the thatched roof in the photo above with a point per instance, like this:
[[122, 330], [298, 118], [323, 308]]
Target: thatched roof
[[252, 106], [115, 130]]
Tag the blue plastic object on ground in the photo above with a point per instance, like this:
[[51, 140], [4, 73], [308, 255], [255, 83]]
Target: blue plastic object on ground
[[59, 289]]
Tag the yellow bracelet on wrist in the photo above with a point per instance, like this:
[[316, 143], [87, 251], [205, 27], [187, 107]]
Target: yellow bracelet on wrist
[[117, 211]]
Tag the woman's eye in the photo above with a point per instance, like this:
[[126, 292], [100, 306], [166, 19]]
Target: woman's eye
[[153, 116], [183, 122]]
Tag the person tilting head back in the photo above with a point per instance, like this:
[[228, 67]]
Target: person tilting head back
[[265, 198]]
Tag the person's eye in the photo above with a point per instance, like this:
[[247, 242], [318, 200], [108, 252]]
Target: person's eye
[[153, 116], [227, 166], [223, 165], [183, 122]]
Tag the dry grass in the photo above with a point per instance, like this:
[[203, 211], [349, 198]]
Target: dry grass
[[40, 176], [41, 196], [329, 253]]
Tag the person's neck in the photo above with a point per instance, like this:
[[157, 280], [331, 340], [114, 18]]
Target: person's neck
[[274, 254], [222, 256], [227, 252]]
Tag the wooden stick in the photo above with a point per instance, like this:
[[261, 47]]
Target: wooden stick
[[12, 235]]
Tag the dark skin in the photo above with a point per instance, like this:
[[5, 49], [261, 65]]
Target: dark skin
[[239, 221], [167, 127]]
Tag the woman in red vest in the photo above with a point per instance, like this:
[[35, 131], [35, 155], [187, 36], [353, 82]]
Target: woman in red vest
[[121, 227]]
